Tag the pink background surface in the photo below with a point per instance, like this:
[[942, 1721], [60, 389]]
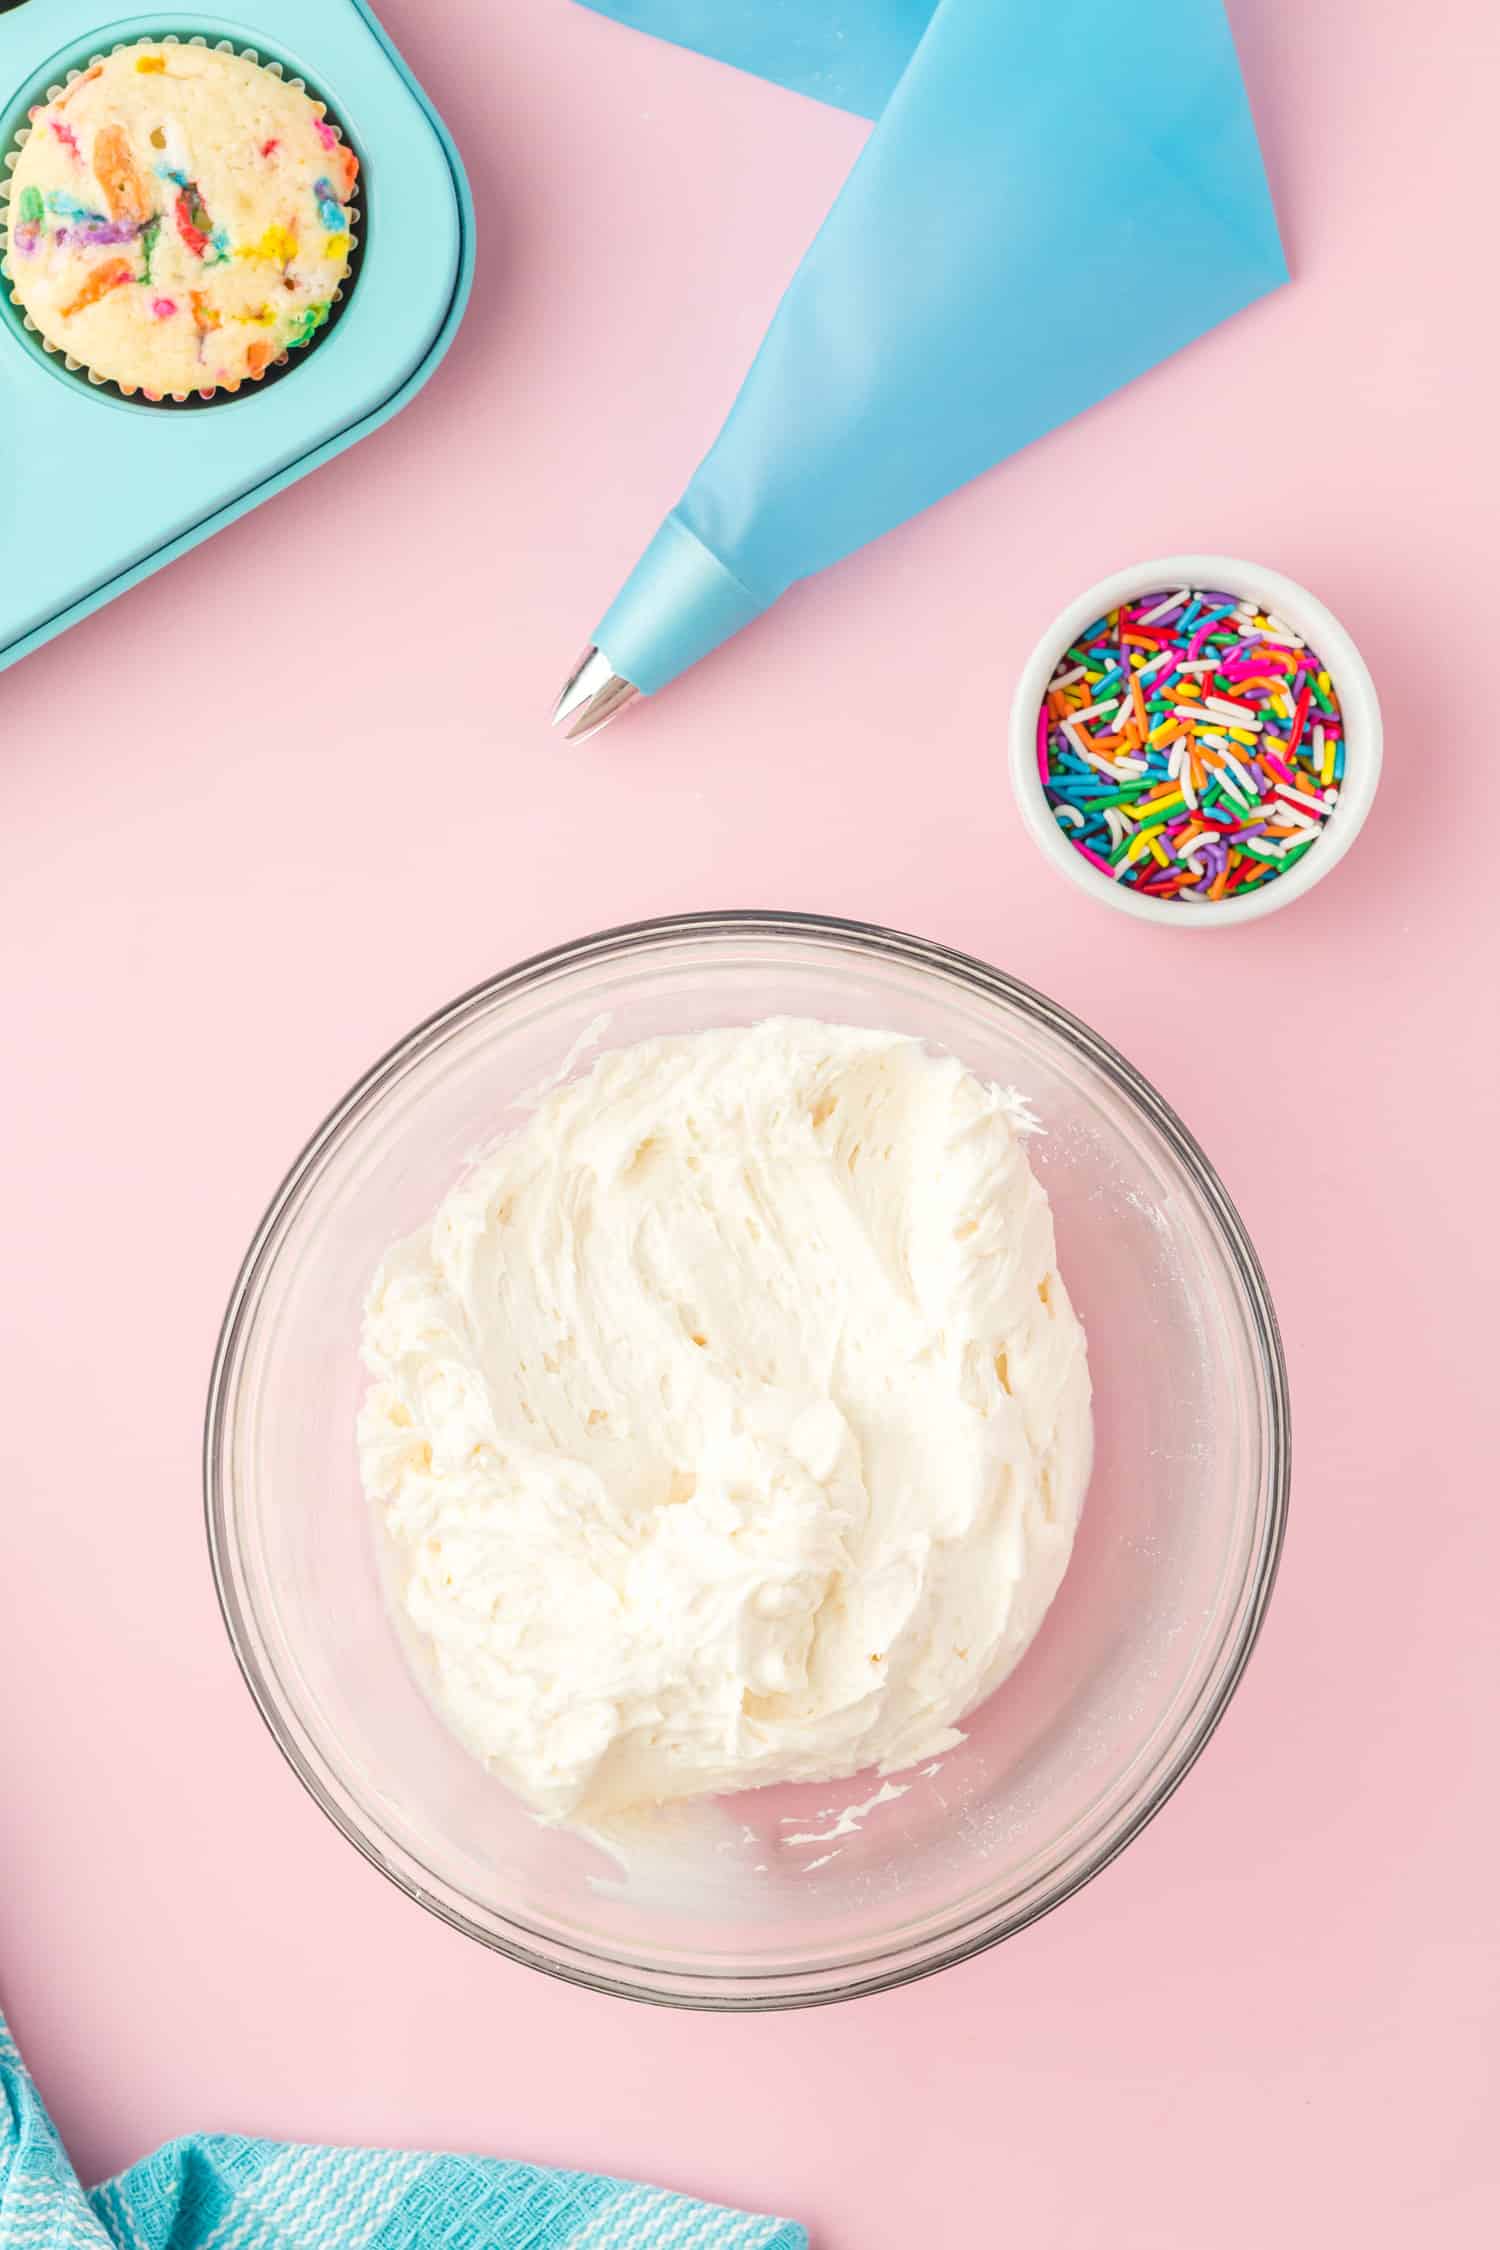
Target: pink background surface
[[254, 829]]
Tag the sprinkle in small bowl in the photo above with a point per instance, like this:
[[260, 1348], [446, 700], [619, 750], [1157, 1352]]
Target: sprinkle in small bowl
[[1196, 741]]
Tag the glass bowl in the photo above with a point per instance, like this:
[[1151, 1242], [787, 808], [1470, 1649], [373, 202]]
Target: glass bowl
[[784, 1896]]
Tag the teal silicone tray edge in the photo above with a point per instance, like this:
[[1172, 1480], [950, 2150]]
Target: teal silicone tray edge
[[296, 470]]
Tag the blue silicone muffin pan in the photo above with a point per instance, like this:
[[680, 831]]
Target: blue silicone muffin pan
[[96, 490]]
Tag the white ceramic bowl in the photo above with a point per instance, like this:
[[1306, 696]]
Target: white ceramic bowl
[[1313, 622]]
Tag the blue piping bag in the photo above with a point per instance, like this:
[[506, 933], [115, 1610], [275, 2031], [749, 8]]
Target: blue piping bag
[[1032, 156], [848, 53]]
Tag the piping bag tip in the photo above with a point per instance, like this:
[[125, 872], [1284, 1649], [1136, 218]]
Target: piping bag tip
[[593, 694]]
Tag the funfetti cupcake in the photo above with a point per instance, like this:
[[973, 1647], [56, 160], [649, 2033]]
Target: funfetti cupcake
[[179, 218]]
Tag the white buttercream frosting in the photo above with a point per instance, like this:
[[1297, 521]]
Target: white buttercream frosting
[[730, 1422]]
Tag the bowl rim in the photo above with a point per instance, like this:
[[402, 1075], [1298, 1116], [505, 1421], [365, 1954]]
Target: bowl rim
[[877, 1969], [1309, 617]]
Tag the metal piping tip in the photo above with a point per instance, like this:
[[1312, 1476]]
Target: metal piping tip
[[593, 694]]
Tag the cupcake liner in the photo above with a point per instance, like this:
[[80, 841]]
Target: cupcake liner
[[136, 393]]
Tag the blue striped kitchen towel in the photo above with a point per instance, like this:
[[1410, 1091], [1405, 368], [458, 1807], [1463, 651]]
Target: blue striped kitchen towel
[[214, 2191]]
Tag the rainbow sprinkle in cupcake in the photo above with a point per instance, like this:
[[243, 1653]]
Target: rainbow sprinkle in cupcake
[[179, 218]]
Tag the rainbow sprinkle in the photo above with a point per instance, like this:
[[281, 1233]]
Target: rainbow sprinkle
[[1190, 745]]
